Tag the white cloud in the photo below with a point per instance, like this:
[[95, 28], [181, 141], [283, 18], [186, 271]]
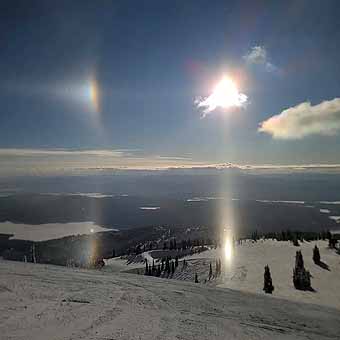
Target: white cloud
[[258, 56], [304, 120]]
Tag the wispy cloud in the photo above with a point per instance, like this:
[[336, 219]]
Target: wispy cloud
[[304, 120], [258, 56]]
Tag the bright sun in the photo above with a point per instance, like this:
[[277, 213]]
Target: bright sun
[[225, 95]]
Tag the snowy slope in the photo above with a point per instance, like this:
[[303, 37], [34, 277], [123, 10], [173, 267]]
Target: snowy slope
[[244, 271], [43, 302]]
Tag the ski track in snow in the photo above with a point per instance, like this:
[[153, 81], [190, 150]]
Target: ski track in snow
[[39, 302]]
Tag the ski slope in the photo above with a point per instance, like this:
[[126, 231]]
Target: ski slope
[[244, 270], [40, 302]]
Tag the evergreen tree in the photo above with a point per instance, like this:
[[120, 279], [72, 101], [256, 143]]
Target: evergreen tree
[[167, 265], [153, 267], [210, 272], [301, 276], [331, 241], [196, 278], [184, 264], [295, 241], [172, 267], [268, 284], [216, 268], [146, 268], [316, 255]]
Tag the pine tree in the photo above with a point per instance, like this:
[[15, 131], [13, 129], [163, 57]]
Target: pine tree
[[301, 276], [268, 284], [210, 272], [172, 267], [331, 241], [146, 268], [153, 267], [316, 255], [196, 278], [167, 265], [296, 241], [216, 268]]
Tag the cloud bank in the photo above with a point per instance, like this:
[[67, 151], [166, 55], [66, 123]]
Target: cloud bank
[[258, 56], [63, 152], [50, 162], [304, 120]]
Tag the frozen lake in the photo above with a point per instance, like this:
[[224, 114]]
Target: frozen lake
[[48, 231]]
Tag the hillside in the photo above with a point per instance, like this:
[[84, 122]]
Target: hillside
[[46, 302], [244, 271]]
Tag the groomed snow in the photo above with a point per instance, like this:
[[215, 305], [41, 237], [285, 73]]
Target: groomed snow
[[40, 302]]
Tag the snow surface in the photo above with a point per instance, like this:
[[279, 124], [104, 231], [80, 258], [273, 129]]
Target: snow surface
[[245, 272], [49, 231], [246, 268], [39, 302]]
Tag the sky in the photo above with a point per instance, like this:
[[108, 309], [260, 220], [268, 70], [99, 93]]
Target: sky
[[129, 83]]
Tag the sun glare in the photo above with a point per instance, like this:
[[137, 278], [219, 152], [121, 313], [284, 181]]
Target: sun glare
[[94, 95], [228, 245], [225, 95], [228, 249]]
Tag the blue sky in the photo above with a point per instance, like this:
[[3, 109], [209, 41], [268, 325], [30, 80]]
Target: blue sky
[[150, 60]]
